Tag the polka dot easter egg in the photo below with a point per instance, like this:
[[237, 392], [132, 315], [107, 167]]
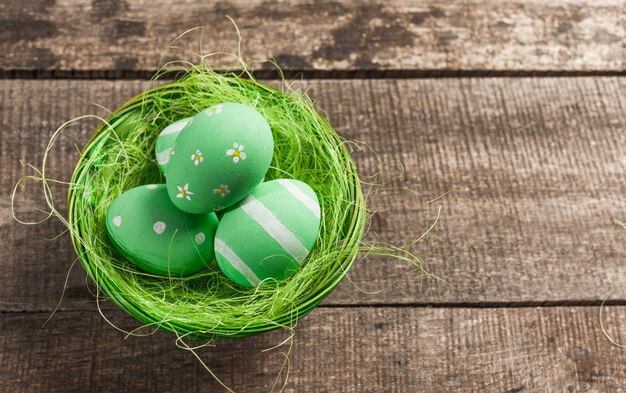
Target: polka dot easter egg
[[269, 233], [219, 157], [166, 141], [146, 228]]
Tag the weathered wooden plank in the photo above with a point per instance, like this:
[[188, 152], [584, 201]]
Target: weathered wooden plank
[[541, 163], [316, 36], [335, 350]]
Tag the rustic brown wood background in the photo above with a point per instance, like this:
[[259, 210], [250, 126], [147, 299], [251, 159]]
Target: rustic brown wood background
[[519, 106]]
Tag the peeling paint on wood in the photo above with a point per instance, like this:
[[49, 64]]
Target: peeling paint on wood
[[470, 35]]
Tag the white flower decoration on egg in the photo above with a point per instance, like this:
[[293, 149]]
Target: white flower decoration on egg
[[236, 152], [197, 157], [183, 192], [215, 109], [222, 190]]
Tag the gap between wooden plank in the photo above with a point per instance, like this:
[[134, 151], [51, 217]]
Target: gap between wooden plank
[[483, 305], [313, 74], [107, 306]]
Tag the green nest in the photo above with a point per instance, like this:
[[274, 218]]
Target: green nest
[[119, 156]]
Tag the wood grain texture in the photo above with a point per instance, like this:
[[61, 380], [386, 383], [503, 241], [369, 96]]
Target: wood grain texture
[[335, 350], [540, 162], [113, 38]]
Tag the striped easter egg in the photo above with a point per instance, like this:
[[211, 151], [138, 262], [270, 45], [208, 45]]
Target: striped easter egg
[[166, 140], [268, 234]]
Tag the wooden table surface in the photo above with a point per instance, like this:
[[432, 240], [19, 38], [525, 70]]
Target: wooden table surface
[[517, 106]]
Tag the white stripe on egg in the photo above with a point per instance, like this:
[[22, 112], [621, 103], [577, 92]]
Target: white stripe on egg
[[236, 262], [164, 156], [266, 219], [173, 128], [301, 196]]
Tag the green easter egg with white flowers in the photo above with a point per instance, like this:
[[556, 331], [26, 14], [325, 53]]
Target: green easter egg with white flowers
[[145, 227], [269, 234], [222, 153], [166, 141]]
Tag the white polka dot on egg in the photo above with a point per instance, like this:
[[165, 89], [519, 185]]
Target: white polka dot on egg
[[117, 221], [200, 237], [159, 227]]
